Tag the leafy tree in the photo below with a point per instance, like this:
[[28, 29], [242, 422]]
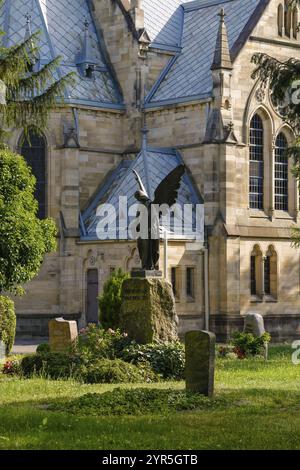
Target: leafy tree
[[110, 300], [31, 90], [24, 239], [283, 80]]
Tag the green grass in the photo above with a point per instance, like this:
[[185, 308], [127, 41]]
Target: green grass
[[257, 407]]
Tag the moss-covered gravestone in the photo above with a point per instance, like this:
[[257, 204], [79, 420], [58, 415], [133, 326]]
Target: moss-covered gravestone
[[200, 362], [148, 310]]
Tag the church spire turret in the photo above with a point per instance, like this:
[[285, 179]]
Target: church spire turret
[[222, 59]]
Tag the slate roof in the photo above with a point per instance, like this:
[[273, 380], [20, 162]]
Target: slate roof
[[61, 23], [188, 75], [153, 165], [163, 23]]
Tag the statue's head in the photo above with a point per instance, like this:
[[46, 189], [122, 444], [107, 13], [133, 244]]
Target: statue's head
[[141, 196]]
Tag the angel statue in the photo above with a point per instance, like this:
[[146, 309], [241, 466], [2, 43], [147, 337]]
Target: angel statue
[[165, 194]]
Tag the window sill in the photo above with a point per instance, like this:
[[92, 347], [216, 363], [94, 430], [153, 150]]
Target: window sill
[[190, 300], [283, 215], [256, 300], [258, 214], [270, 300]]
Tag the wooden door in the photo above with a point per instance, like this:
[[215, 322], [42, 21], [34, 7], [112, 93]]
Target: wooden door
[[92, 315]]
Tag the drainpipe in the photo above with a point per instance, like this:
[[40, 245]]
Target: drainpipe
[[206, 288]]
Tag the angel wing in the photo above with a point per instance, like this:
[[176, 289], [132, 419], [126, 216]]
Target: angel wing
[[139, 181], [167, 191]]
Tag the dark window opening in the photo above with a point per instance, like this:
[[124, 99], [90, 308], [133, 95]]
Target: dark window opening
[[253, 275], [34, 153], [256, 182], [267, 275], [190, 282], [281, 174]]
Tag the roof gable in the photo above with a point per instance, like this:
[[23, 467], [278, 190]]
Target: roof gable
[[153, 165], [62, 26], [188, 76]]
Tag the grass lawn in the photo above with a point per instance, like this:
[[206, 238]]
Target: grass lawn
[[259, 409]]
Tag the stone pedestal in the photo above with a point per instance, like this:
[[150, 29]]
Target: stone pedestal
[[200, 362], [148, 310], [61, 334]]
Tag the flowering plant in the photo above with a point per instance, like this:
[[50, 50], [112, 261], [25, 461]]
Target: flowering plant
[[11, 367]]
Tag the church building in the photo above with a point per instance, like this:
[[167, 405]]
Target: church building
[[160, 83]]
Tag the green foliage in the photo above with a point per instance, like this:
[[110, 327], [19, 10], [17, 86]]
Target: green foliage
[[138, 401], [110, 300], [50, 365], [24, 239], [12, 367], [114, 372], [95, 343], [43, 348], [166, 359], [30, 94], [246, 344], [7, 323]]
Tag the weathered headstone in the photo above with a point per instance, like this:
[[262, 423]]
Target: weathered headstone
[[61, 334], [2, 352], [200, 362], [148, 310], [254, 323]]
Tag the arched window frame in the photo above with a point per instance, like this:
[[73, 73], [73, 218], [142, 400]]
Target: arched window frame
[[271, 274], [295, 22], [43, 205], [280, 19], [256, 272], [287, 18], [281, 174], [293, 191], [256, 162]]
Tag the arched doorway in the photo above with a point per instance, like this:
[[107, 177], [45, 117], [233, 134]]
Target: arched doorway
[[92, 292]]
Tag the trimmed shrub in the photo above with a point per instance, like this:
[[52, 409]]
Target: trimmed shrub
[[7, 323], [166, 359], [95, 343], [114, 372], [43, 348], [110, 300], [246, 344], [52, 365]]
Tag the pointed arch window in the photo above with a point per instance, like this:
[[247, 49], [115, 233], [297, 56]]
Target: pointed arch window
[[256, 183], [280, 19], [287, 18], [256, 271], [34, 152], [281, 174], [295, 20], [271, 273]]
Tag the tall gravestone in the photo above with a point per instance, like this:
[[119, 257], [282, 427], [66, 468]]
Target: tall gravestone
[[61, 334], [200, 362], [148, 308]]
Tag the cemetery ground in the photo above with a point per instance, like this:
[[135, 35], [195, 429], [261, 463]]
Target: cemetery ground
[[256, 406]]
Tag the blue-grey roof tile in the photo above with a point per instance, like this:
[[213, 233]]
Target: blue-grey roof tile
[[153, 165], [61, 23], [190, 75]]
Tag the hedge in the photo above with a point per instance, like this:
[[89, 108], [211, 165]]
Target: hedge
[[7, 323]]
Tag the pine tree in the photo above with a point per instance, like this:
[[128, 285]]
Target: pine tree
[[283, 80], [31, 92]]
